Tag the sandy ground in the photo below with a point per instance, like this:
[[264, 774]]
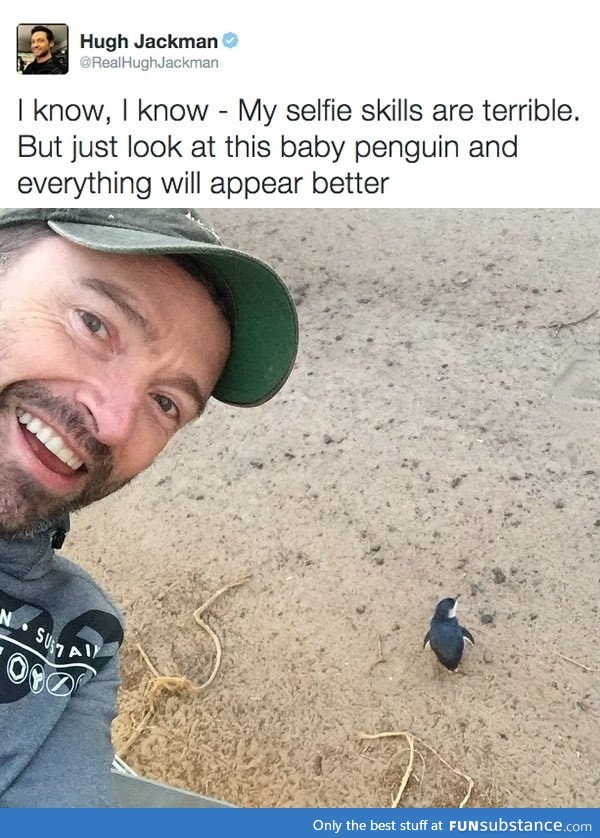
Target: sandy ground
[[417, 452]]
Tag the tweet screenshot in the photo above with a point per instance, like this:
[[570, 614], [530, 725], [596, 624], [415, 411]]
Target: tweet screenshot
[[299, 418], [309, 110]]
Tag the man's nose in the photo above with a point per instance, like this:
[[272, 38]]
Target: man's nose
[[113, 410]]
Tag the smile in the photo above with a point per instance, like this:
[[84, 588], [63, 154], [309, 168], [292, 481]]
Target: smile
[[50, 439]]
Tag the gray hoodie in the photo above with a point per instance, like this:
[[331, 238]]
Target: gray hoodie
[[59, 641]]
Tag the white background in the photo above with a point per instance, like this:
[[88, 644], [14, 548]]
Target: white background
[[428, 52]]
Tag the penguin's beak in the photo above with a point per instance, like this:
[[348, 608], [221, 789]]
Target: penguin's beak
[[456, 597]]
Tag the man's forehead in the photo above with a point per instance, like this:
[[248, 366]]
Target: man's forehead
[[135, 280]]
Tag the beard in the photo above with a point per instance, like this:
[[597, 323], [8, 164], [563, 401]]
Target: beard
[[26, 506]]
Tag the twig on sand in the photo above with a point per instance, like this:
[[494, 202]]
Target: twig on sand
[[175, 684], [148, 662], [170, 684], [212, 634], [558, 325], [411, 758], [380, 657], [582, 665], [411, 739]]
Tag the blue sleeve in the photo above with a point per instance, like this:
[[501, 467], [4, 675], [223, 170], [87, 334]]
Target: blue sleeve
[[72, 768]]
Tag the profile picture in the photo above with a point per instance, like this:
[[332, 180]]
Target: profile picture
[[42, 49]]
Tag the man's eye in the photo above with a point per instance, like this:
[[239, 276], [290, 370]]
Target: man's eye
[[93, 323], [167, 405]]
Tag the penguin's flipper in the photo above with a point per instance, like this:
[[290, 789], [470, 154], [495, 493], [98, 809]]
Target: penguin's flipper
[[467, 635], [426, 642]]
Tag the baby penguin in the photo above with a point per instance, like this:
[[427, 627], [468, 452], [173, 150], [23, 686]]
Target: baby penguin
[[446, 636]]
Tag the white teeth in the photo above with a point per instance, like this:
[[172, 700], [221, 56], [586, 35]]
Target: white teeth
[[55, 444], [52, 442], [75, 462], [44, 435], [34, 426]]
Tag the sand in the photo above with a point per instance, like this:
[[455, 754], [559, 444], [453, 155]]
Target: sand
[[426, 445]]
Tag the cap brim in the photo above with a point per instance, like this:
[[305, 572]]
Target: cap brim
[[261, 311]]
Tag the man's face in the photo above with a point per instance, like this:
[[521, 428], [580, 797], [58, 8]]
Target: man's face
[[102, 359], [41, 47]]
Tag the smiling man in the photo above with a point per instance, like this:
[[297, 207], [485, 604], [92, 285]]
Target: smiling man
[[44, 62], [116, 327]]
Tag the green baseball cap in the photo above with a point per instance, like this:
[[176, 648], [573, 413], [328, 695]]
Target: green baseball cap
[[259, 307]]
